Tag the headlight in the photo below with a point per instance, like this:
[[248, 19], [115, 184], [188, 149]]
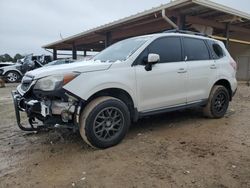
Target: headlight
[[54, 82]]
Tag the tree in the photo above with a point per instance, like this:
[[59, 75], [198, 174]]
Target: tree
[[6, 58], [2, 58], [16, 57]]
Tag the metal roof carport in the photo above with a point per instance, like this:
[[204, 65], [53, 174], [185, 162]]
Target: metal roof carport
[[226, 23]]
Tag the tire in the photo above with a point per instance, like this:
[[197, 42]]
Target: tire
[[104, 122], [218, 102], [12, 76]]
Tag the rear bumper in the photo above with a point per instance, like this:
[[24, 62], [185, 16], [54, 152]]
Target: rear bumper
[[234, 86], [234, 92]]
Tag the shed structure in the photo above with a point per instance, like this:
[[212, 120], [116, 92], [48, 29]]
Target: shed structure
[[221, 22]]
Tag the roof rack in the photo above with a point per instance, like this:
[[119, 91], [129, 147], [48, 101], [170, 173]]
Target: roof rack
[[186, 32]]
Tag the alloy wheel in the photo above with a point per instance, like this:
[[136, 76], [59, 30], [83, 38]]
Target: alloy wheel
[[220, 102], [108, 123], [12, 77]]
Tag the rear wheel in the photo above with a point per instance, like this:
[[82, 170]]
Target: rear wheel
[[12, 76], [218, 102], [104, 122]]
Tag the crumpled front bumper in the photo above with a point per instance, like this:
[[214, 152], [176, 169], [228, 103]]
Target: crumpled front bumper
[[17, 98], [51, 113]]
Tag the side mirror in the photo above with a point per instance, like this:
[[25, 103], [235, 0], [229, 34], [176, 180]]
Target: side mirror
[[151, 60]]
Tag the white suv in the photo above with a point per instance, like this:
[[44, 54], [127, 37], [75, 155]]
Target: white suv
[[131, 79]]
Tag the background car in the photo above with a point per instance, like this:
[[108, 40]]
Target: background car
[[5, 64], [13, 72]]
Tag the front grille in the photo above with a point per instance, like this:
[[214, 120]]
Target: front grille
[[26, 82]]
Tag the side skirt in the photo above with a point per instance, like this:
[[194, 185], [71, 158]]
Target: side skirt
[[171, 109]]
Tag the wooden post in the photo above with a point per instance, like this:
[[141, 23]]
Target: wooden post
[[54, 54], [85, 53], [181, 22], [108, 38], [74, 52], [227, 35]]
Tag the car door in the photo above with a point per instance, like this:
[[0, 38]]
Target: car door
[[165, 85], [201, 68]]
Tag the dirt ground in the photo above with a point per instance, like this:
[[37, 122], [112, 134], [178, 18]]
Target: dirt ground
[[180, 149]]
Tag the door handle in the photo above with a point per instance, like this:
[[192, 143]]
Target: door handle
[[213, 66], [182, 70]]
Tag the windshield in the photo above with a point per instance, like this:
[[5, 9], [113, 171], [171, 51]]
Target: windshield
[[121, 51]]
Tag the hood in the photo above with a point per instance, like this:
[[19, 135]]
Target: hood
[[82, 66]]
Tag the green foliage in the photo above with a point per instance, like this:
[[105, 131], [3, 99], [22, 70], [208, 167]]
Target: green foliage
[[16, 57], [8, 58]]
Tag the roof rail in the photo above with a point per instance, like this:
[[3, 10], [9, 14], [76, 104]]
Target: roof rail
[[186, 32]]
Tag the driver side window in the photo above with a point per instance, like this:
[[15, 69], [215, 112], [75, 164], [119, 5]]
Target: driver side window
[[169, 49]]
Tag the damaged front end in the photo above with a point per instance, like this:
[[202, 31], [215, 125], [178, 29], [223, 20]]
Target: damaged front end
[[46, 103]]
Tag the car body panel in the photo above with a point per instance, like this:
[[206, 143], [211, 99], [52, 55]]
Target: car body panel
[[80, 67], [162, 87], [15, 67], [168, 85], [90, 82]]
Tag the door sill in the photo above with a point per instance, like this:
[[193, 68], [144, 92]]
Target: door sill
[[173, 108]]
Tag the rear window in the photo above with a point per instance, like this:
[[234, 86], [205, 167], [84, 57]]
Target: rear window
[[217, 51], [195, 49]]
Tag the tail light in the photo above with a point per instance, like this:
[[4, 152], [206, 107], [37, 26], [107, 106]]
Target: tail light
[[233, 64]]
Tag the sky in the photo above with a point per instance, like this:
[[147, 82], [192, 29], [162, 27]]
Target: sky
[[26, 25]]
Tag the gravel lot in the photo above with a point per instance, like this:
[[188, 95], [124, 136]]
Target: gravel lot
[[180, 149]]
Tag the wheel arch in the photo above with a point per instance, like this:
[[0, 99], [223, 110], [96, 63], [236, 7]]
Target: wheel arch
[[119, 94], [12, 70], [226, 84], [16, 71]]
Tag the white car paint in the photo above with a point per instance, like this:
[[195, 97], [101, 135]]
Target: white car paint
[[81, 67], [162, 87]]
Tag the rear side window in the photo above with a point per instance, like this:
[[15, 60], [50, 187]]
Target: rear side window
[[217, 51], [169, 49], [195, 49]]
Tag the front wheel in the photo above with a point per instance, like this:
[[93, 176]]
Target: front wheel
[[104, 122], [12, 76], [218, 102]]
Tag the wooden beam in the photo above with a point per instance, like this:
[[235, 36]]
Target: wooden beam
[[87, 40], [90, 46], [149, 21], [218, 25], [231, 40], [154, 27]]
